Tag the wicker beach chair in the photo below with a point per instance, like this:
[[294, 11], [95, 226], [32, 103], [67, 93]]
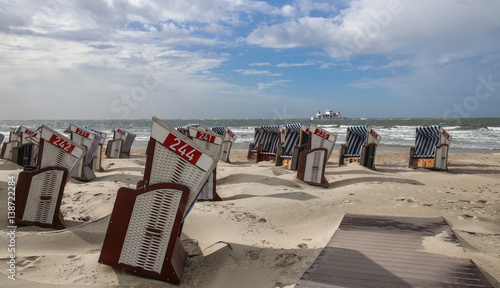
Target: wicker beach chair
[[211, 141], [312, 163], [90, 140], [40, 188], [361, 145], [145, 225], [227, 144], [24, 154], [431, 148], [120, 146], [302, 146], [97, 162], [285, 151], [7, 147], [266, 141]]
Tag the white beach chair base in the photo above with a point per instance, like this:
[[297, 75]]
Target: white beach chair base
[[312, 167]]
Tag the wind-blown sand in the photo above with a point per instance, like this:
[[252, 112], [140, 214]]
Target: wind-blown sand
[[270, 226]]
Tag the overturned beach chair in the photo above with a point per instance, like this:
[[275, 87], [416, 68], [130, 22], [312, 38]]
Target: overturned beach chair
[[145, 225], [361, 146], [227, 144], [431, 148], [24, 154], [285, 151], [212, 142], [120, 146], [7, 147], [97, 162], [312, 163], [40, 188], [266, 141], [89, 140]]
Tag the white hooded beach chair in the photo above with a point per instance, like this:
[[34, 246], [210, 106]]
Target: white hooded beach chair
[[227, 143], [212, 142], [97, 162], [90, 140], [121, 144], [40, 188], [24, 154], [7, 147], [361, 145], [291, 139], [266, 141], [431, 148], [145, 225], [312, 163]]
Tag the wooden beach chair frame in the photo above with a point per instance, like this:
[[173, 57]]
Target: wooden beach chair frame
[[227, 144], [432, 144], [40, 188], [120, 146], [360, 147], [145, 225], [285, 151], [90, 140]]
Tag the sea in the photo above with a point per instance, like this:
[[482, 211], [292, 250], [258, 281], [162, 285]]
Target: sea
[[478, 135]]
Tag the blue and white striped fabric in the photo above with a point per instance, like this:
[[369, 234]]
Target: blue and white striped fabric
[[185, 130], [1, 138], [292, 136], [355, 138], [127, 144], [93, 147], [219, 130], [268, 136], [426, 140]]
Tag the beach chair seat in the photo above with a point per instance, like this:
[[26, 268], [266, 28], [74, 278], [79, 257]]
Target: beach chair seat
[[227, 144], [90, 141], [312, 167], [24, 153], [121, 144], [361, 144], [7, 147], [146, 223], [97, 162], [431, 148], [285, 150], [266, 141], [40, 188], [212, 142]]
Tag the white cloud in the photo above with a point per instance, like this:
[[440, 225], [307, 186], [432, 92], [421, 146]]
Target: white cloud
[[287, 65], [256, 72]]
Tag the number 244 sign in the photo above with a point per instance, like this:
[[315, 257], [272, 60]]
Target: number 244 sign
[[182, 148]]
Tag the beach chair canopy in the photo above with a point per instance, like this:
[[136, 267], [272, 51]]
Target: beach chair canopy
[[1, 138], [185, 129], [127, 137], [86, 138], [427, 138], [292, 136], [103, 135], [355, 138], [25, 133], [268, 136], [221, 130]]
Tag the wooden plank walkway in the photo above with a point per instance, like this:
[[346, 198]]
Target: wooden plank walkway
[[379, 251]]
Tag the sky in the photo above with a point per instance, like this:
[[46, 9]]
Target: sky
[[220, 59]]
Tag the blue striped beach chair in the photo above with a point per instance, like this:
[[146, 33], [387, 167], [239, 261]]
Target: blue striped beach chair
[[361, 146], [266, 141], [302, 146], [229, 139], [90, 140], [7, 147], [1, 138], [40, 188], [143, 235], [97, 162], [431, 148], [291, 139], [25, 153], [121, 144], [312, 163]]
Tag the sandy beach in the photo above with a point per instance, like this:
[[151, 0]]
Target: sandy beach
[[269, 227]]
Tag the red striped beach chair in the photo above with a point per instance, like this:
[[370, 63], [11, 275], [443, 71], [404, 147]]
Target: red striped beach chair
[[361, 145], [40, 188], [431, 148], [227, 143], [90, 141], [97, 162], [121, 144], [7, 147], [145, 225], [291, 139], [311, 167]]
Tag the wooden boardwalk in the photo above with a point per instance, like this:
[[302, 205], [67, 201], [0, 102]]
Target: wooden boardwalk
[[378, 251]]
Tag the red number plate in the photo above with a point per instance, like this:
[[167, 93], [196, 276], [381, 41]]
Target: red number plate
[[322, 134], [82, 132], [205, 136], [121, 131], [446, 135], [374, 134], [61, 143], [230, 133], [182, 149]]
